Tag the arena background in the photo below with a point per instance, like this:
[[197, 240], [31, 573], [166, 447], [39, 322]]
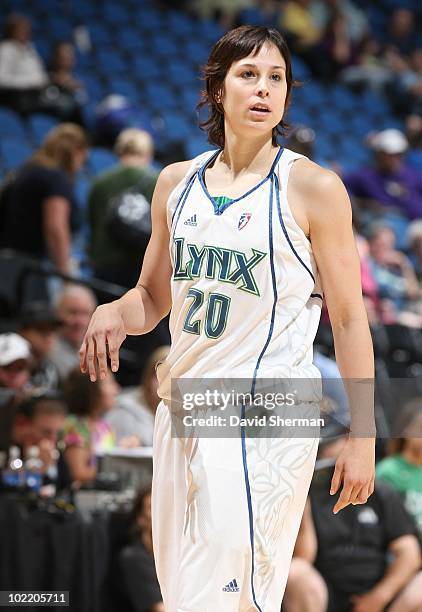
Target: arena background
[[137, 64]]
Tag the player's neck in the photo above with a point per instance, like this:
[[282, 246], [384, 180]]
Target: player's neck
[[252, 155]]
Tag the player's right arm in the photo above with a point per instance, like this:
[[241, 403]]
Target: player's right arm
[[140, 309]]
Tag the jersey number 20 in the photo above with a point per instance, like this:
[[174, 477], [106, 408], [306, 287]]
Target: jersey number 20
[[216, 315]]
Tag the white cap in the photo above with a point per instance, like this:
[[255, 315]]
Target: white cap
[[12, 348], [390, 141]]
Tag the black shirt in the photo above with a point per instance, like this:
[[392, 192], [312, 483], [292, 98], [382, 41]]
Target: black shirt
[[353, 544], [23, 223], [139, 577]]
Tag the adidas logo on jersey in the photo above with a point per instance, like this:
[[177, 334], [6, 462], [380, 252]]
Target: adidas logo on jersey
[[231, 587], [191, 221]]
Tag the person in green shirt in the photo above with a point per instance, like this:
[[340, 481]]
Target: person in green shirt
[[403, 467], [111, 260]]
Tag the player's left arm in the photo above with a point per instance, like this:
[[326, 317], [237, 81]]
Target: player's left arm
[[329, 214]]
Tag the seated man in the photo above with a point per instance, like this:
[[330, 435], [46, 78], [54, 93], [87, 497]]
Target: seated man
[[366, 558], [75, 306]]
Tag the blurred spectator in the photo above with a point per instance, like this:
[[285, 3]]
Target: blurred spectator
[[41, 208], [15, 371], [112, 260], [339, 49], [301, 139], [414, 133], [392, 271], [415, 246], [86, 433], [355, 19], [38, 324], [116, 113], [15, 354], [368, 555], [370, 70], [133, 418], [401, 33], [406, 89], [22, 73], [390, 183], [75, 306], [370, 288], [226, 12], [302, 32], [71, 91], [38, 421], [403, 467], [306, 590], [298, 22], [136, 561]]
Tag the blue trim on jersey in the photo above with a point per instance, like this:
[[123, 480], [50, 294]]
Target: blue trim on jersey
[[274, 281], [181, 201], [218, 210], [270, 333], [280, 216], [249, 498]]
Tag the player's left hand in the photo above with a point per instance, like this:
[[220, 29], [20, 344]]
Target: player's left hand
[[373, 601], [355, 467]]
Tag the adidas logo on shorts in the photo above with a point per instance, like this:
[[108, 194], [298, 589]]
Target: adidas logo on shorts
[[231, 587], [191, 221]]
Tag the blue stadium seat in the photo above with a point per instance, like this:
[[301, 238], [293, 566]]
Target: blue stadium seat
[[100, 35], [11, 124], [124, 87], [149, 19], [257, 17], [39, 126], [197, 145], [14, 152], [164, 46], [181, 24], [414, 158], [301, 71], [110, 62], [100, 159]]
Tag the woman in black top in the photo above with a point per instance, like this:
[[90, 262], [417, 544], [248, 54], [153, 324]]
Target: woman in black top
[[39, 208]]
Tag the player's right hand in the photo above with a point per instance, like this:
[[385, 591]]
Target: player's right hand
[[104, 337]]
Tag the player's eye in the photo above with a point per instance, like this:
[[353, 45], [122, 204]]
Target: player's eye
[[276, 77], [247, 74]]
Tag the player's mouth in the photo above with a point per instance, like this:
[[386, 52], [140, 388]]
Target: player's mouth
[[260, 110]]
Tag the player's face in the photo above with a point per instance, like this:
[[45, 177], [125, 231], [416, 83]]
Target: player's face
[[255, 90]]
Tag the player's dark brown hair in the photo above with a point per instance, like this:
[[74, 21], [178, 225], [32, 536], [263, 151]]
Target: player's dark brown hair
[[233, 46]]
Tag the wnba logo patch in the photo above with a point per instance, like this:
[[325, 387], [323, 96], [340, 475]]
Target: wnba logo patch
[[244, 220]]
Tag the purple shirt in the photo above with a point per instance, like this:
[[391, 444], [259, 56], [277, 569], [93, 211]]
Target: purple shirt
[[401, 189]]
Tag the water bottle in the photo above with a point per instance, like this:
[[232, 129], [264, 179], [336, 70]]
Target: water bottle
[[13, 475], [49, 489], [33, 469]]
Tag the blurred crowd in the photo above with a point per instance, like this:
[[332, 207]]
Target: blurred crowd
[[52, 417]]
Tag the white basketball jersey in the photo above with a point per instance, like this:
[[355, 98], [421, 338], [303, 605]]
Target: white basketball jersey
[[246, 293]]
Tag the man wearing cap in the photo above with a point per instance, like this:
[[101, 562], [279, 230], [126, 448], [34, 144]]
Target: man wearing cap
[[38, 324], [15, 372], [366, 558], [15, 353], [390, 182]]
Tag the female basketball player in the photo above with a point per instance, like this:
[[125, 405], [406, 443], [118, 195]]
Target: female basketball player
[[244, 239]]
